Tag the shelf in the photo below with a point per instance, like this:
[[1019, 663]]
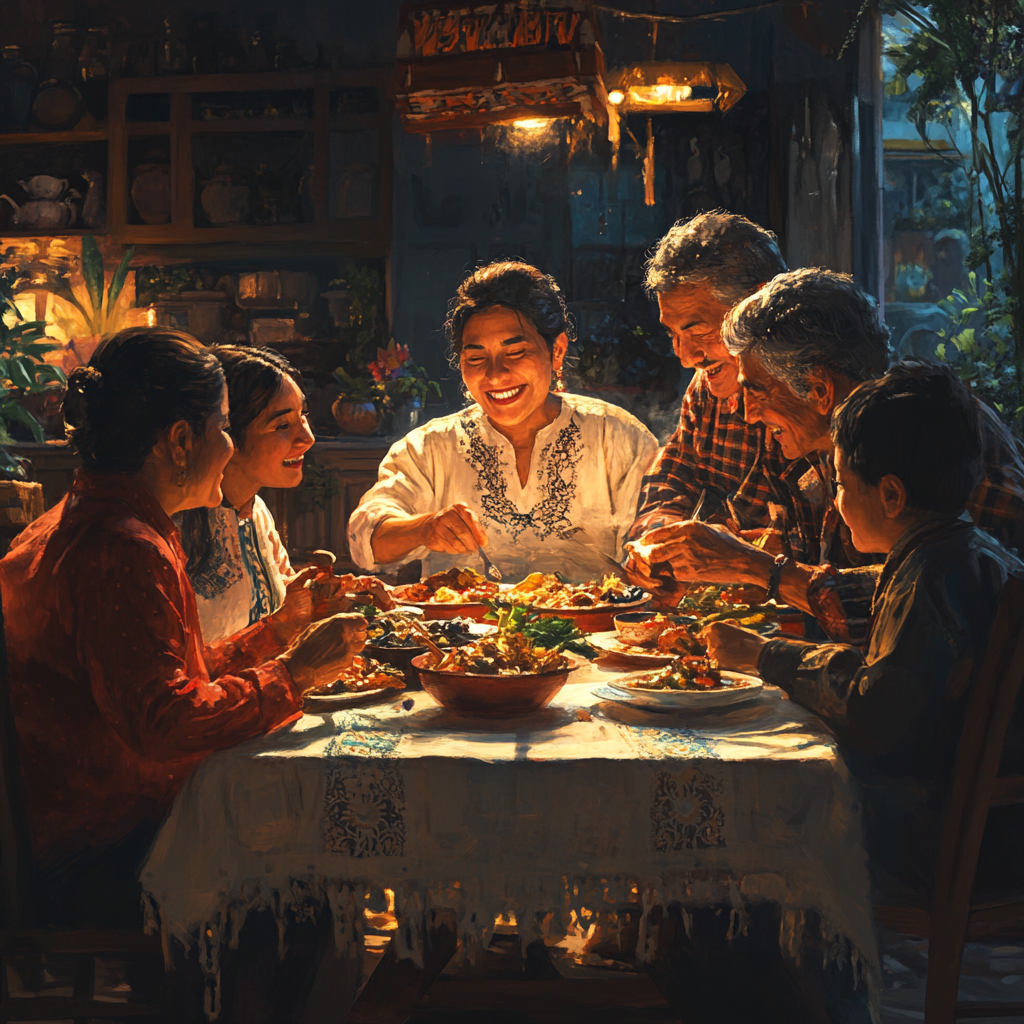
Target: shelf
[[65, 233], [34, 138], [254, 124]]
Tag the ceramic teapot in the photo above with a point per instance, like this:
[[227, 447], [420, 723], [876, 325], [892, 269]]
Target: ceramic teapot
[[44, 214], [225, 200], [43, 186]]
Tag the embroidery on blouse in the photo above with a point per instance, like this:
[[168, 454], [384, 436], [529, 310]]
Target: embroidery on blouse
[[558, 472], [218, 570]]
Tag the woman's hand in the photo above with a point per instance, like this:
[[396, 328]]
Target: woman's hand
[[297, 611], [454, 530], [333, 594], [325, 650], [734, 648]]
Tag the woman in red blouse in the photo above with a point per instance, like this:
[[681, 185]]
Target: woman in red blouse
[[115, 697]]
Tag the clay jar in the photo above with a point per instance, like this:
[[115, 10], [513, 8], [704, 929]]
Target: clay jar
[[151, 193], [225, 200], [355, 416]]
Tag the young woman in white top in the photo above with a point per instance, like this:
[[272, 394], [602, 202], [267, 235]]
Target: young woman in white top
[[237, 564], [544, 481]]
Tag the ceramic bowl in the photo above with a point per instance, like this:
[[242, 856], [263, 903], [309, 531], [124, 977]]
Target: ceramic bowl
[[640, 627], [486, 696]]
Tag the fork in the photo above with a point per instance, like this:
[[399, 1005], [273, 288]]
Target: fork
[[491, 571]]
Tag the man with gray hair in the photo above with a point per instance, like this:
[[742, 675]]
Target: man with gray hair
[[803, 343], [698, 272]]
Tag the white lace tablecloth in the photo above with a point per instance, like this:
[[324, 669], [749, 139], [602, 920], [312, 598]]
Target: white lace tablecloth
[[556, 819]]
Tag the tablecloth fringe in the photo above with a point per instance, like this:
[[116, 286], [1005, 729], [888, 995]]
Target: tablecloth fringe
[[543, 909]]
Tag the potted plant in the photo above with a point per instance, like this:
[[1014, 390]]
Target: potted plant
[[405, 383], [359, 407], [94, 308], [25, 379]]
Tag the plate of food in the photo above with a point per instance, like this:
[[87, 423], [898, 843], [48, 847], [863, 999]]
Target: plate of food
[[366, 682], [499, 676], [454, 593], [591, 606], [692, 682]]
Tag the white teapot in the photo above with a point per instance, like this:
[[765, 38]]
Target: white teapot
[[43, 186]]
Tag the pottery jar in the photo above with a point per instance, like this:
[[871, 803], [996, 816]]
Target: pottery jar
[[354, 416], [224, 199], [151, 193], [44, 186], [18, 81]]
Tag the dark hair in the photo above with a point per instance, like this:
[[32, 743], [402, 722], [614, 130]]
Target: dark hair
[[919, 423], [810, 318], [513, 285], [254, 376], [733, 254], [137, 384]]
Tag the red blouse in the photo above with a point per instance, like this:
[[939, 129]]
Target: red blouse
[[115, 698]]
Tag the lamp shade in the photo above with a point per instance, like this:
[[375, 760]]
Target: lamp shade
[[663, 87]]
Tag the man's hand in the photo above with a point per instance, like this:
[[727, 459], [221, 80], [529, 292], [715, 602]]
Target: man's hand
[[325, 650], [699, 551], [454, 530], [734, 648], [335, 594]]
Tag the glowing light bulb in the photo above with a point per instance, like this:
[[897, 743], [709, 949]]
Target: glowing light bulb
[[616, 96], [533, 124]]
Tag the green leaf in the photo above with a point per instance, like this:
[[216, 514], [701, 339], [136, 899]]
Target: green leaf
[[92, 271], [19, 375], [47, 373], [12, 411], [117, 282], [940, 351]]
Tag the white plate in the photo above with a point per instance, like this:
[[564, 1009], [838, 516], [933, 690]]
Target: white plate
[[609, 643], [313, 704], [736, 687]]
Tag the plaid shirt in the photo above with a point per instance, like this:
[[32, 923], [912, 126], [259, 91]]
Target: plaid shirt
[[712, 449]]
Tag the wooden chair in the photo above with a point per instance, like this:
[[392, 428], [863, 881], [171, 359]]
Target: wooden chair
[[19, 939], [953, 918]]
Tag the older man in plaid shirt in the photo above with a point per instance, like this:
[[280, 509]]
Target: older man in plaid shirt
[[699, 271], [803, 343]]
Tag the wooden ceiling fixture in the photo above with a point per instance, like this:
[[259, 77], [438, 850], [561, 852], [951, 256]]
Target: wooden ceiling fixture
[[468, 65]]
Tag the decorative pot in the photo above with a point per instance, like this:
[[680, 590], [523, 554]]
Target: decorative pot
[[224, 199], [151, 193], [44, 186], [339, 303], [354, 416], [42, 214], [45, 406], [58, 106], [407, 416]]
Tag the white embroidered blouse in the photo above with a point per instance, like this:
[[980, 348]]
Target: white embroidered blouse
[[585, 475], [242, 570]]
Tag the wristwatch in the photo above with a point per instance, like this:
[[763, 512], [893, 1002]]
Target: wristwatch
[[775, 577]]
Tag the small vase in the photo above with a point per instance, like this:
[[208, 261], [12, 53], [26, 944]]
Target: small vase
[[354, 416], [407, 417], [151, 193], [225, 200]]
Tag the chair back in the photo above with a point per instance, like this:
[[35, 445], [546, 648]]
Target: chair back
[[996, 687], [15, 847]]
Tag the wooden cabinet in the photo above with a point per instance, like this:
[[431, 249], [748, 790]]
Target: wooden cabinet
[[307, 153], [307, 517]]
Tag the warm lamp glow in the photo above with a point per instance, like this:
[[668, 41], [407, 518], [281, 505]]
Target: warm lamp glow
[[675, 87], [533, 124], [151, 316]]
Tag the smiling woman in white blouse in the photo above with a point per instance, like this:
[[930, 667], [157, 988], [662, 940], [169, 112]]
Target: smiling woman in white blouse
[[543, 481]]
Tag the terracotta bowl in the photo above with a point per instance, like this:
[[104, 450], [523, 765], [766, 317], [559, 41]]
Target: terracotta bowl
[[640, 627], [473, 612], [594, 620], [482, 696]]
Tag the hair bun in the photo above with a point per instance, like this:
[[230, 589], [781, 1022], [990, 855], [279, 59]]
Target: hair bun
[[83, 383]]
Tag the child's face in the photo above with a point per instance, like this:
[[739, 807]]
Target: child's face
[[863, 510]]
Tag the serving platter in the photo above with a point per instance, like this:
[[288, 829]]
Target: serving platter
[[736, 687]]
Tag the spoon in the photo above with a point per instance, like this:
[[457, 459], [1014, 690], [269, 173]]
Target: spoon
[[491, 571]]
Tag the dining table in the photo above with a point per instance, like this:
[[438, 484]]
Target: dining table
[[580, 816]]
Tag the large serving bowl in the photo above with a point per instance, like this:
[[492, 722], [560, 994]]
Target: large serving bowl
[[645, 627], [488, 696]]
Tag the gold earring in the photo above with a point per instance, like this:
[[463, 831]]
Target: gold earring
[[181, 476], [559, 383]]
